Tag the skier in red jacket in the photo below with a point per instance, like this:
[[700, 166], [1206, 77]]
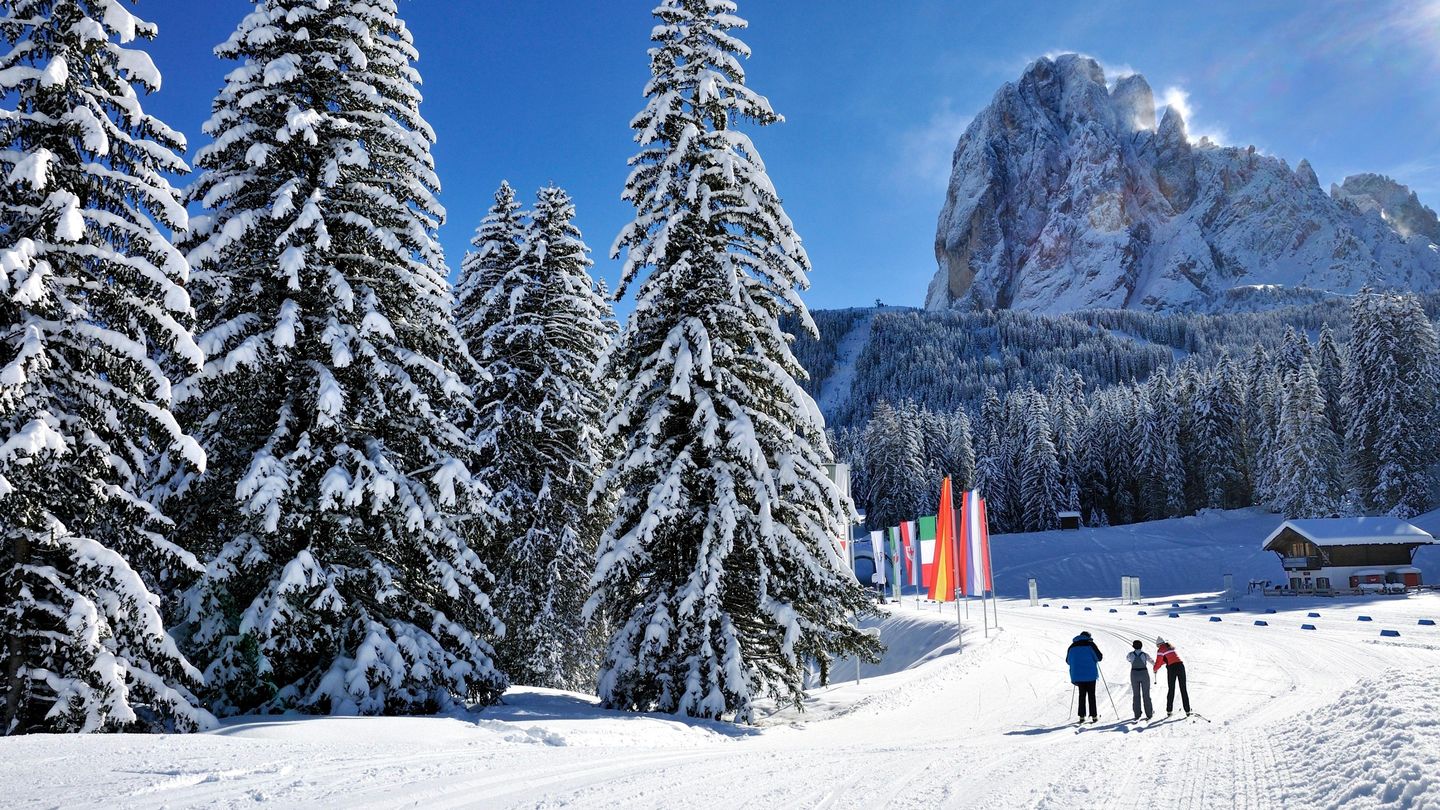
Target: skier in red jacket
[[1166, 656]]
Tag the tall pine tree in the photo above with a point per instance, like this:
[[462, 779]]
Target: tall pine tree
[[540, 418], [1306, 456], [94, 317], [1390, 403], [336, 510], [497, 244], [1042, 492], [897, 480], [721, 571]]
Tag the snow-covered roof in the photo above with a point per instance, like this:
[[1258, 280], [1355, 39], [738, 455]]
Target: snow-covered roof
[[1359, 531]]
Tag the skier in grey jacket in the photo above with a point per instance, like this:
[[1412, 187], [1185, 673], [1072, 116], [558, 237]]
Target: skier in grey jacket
[[1140, 680]]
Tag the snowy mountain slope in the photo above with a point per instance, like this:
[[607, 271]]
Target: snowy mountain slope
[[1066, 194], [1329, 718], [835, 388]]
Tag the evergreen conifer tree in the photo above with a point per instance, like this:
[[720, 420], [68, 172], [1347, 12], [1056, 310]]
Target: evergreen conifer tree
[[897, 478], [94, 320], [1330, 375], [1042, 491], [1306, 455], [338, 512], [1219, 439], [721, 570], [1390, 402], [540, 415], [497, 244]]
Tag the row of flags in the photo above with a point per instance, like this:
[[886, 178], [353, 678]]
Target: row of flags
[[947, 554]]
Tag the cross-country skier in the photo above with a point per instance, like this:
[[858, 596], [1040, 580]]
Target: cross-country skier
[[1166, 656], [1140, 680], [1084, 659]]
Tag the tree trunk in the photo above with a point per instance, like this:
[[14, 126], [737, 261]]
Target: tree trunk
[[14, 668]]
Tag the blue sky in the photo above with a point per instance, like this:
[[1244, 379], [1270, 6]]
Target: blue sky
[[876, 94]]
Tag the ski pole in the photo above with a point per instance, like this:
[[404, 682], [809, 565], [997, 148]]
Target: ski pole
[[1107, 694], [1073, 687]]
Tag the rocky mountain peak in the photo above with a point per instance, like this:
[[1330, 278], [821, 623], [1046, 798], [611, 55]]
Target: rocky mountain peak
[[1065, 194], [1305, 173], [1134, 102], [1396, 204]]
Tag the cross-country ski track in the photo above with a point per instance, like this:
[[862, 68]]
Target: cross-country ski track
[[1334, 716]]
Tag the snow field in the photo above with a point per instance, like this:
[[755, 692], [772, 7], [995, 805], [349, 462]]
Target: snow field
[[1326, 718]]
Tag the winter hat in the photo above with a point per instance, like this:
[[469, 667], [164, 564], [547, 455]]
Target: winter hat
[[1085, 633], [1138, 644], [1159, 640]]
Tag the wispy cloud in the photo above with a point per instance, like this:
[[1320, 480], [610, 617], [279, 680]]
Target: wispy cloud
[[924, 152], [1178, 99]]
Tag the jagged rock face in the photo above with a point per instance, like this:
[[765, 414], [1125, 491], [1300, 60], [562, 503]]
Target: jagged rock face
[[1396, 204], [1065, 194]]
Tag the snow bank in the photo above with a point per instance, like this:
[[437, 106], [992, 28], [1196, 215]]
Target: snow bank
[[1377, 746]]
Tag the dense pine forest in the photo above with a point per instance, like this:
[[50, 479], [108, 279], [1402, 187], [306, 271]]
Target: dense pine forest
[[1313, 411]]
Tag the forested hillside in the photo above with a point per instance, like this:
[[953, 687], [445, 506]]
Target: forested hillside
[[1128, 415]]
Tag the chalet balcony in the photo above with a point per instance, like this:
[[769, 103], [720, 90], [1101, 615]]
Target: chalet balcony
[[1300, 563]]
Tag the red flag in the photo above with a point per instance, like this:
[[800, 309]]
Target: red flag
[[912, 557]]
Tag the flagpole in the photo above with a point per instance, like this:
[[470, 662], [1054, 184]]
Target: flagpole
[[982, 536], [989, 568]]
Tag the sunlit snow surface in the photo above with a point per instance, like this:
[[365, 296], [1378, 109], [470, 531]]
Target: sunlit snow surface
[[1336, 716]]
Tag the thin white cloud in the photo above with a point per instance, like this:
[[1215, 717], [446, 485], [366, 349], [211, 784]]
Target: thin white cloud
[[1178, 99], [925, 151]]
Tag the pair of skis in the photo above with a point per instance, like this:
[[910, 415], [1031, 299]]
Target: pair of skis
[[1138, 724], [1170, 719]]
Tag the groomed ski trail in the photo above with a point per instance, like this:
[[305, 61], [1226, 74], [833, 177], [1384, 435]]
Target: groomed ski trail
[[990, 727]]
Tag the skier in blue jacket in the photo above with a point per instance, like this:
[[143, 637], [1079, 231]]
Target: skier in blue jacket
[[1084, 659]]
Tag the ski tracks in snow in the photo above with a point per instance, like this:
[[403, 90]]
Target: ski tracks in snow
[[986, 728]]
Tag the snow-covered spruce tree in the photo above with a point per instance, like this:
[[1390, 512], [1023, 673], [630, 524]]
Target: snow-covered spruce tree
[[1041, 490], [540, 416], [497, 244], [1150, 457], [1219, 439], [1306, 455], [721, 571], [989, 479], [342, 579], [897, 478], [1330, 374], [1066, 398], [1262, 415], [1172, 480], [956, 452], [93, 310], [1390, 403]]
